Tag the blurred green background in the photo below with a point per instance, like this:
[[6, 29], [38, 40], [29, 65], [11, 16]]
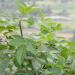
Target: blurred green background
[[62, 11]]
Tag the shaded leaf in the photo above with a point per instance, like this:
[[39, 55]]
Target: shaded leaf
[[17, 41], [36, 64], [20, 54]]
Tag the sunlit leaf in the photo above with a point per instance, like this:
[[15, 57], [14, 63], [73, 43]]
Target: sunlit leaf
[[3, 47], [2, 28]]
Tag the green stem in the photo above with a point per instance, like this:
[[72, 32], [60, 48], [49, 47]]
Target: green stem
[[20, 26]]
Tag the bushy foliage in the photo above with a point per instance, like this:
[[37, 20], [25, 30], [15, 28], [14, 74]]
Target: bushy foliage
[[36, 54]]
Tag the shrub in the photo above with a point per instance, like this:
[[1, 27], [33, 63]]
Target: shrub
[[36, 54]]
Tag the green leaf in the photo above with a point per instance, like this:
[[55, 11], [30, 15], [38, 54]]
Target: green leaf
[[24, 9], [17, 41], [65, 53], [72, 43], [29, 44], [29, 73], [2, 28], [30, 21], [3, 47], [73, 66], [11, 27], [44, 29], [36, 64], [61, 62], [20, 54], [48, 26]]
